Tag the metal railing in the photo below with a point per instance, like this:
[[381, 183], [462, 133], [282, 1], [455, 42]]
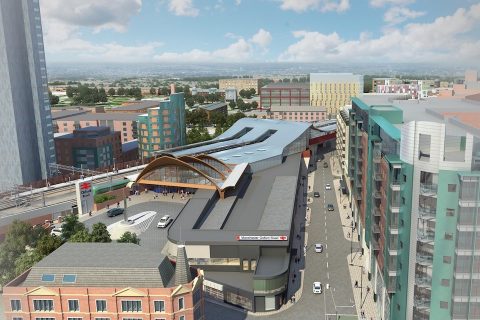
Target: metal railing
[[427, 189], [424, 259]]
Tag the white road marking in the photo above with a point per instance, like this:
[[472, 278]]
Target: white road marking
[[327, 264], [328, 275]]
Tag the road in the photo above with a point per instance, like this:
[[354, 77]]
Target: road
[[329, 267]]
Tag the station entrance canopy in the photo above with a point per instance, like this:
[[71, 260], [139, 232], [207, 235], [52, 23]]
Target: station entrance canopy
[[197, 172]]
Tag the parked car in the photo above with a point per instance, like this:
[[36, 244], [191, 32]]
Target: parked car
[[317, 287], [328, 186], [316, 194], [164, 221], [325, 165], [319, 247], [57, 232], [115, 212], [330, 207]]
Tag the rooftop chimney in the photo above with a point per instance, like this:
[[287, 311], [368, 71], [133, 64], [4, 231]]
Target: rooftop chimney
[[182, 268]]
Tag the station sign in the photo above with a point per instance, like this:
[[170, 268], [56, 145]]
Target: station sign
[[84, 196], [261, 238]]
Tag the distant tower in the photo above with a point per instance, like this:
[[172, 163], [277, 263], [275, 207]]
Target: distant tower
[[182, 268], [26, 130], [172, 88]]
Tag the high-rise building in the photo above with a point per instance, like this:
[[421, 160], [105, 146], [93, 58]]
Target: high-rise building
[[27, 145], [414, 171], [284, 94], [334, 90], [162, 127], [343, 121]]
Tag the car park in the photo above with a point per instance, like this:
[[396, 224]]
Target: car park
[[319, 247], [115, 212], [330, 207], [317, 287], [316, 194], [164, 221], [328, 186]]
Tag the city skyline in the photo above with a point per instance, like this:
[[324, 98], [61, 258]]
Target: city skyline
[[235, 31]]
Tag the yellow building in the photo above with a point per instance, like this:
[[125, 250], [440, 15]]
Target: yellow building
[[334, 90], [239, 84]]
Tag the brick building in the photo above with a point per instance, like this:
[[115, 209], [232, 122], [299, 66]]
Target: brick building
[[90, 147], [298, 113], [106, 281], [284, 94], [239, 84]]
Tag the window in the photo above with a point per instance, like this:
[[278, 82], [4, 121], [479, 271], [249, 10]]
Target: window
[[182, 318], [450, 212], [245, 265], [48, 277], [17, 318], [443, 304], [74, 318], [159, 306], [253, 264], [43, 305], [452, 188], [101, 305], [181, 303], [102, 318], [131, 306], [69, 278], [73, 305], [447, 259], [445, 282], [43, 318], [16, 305]]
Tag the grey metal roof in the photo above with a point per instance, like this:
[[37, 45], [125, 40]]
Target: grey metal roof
[[138, 106], [287, 85], [194, 225], [102, 265], [102, 116], [56, 115], [213, 106], [270, 266], [277, 214]]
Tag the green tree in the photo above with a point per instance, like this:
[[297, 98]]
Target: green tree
[[81, 236], [240, 104], [129, 237], [153, 91], [26, 261], [111, 92], [71, 226], [121, 91], [232, 105], [190, 102], [254, 105], [47, 244], [100, 233], [53, 98], [102, 95], [200, 99]]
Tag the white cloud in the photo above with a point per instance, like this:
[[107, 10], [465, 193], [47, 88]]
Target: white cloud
[[238, 2], [262, 38], [182, 8], [98, 14], [321, 5], [64, 39], [239, 51], [396, 15], [381, 3], [444, 40]]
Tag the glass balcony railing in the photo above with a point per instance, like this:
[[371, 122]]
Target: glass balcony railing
[[378, 177], [424, 259], [377, 212], [426, 236], [421, 314], [428, 189], [421, 303], [377, 194], [375, 228], [423, 280], [427, 212], [375, 244]]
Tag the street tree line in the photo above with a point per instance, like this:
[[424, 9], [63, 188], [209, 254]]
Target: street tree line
[[25, 245]]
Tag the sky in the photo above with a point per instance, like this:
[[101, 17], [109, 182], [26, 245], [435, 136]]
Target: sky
[[239, 31]]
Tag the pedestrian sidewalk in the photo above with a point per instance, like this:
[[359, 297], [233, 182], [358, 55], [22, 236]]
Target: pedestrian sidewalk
[[363, 292]]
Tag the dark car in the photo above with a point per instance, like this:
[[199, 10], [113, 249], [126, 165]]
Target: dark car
[[330, 207], [325, 165], [316, 194], [114, 212]]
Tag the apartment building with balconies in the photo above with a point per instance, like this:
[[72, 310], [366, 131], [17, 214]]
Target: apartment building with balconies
[[415, 178], [162, 127]]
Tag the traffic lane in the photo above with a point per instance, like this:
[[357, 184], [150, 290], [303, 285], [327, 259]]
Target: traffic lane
[[339, 248]]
